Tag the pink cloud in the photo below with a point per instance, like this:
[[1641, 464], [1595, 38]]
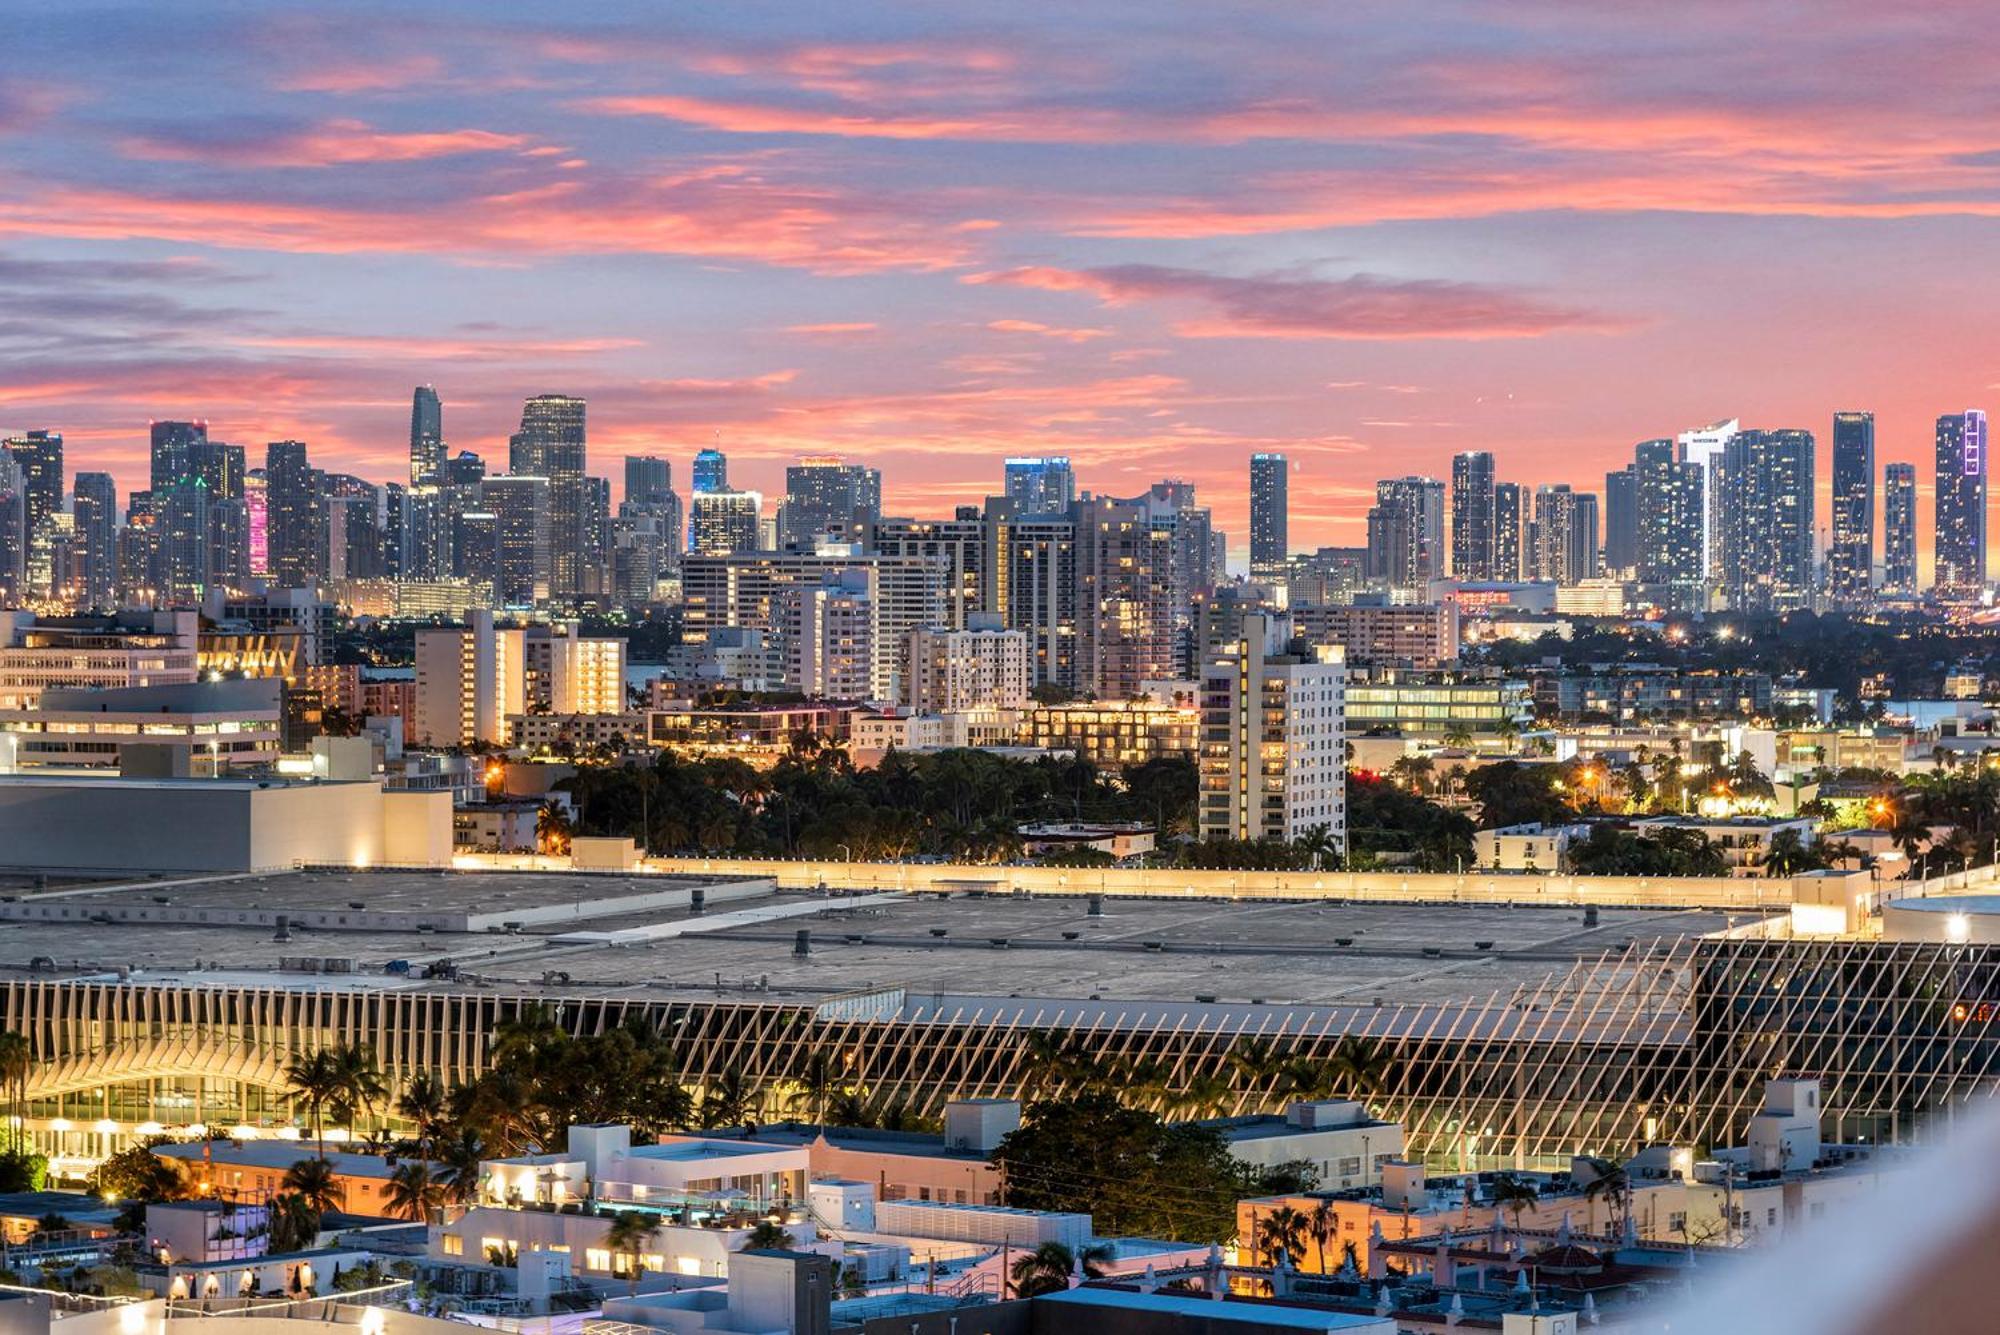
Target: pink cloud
[[335, 143]]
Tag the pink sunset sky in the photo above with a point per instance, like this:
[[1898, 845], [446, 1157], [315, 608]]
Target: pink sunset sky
[[1157, 238]]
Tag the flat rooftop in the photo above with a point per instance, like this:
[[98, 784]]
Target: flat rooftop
[[943, 952]]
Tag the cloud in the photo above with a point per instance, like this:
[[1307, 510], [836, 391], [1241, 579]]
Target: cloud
[[1046, 331], [329, 144], [832, 330], [1363, 306]]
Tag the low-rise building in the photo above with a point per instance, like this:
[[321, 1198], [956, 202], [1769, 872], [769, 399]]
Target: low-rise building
[[254, 1170], [495, 827], [758, 733], [201, 727], [1531, 847], [1432, 704], [1742, 840], [1119, 839], [1419, 635], [1114, 734], [567, 734], [101, 652]]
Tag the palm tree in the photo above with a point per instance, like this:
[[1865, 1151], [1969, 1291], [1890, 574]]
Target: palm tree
[[767, 1236], [1786, 855], [358, 1082], [553, 830], [817, 1085], [531, 1028], [315, 1183], [458, 1159], [1283, 1232], [17, 1059], [1514, 1195], [414, 1192], [294, 1224], [1257, 1062], [313, 1082], [1202, 1096], [424, 1102], [1049, 1268], [1324, 1225], [1608, 1182], [1361, 1066], [1321, 849], [630, 1231], [729, 1100]]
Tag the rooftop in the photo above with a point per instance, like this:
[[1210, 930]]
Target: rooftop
[[1208, 1309], [278, 1155]]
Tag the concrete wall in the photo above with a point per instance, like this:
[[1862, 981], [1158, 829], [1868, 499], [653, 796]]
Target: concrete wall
[[1472, 887], [416, 827]]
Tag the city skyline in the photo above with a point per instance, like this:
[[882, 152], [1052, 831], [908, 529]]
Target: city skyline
[[898, 242]]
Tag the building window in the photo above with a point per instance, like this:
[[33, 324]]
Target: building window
[[454, 1244], [596, 1258]]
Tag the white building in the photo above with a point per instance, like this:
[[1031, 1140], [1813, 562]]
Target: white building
[[574, 674], [1531, 847], [1273, 737], [956, 671], [144, 649], [205, 727], [468, 681], [830, 630]]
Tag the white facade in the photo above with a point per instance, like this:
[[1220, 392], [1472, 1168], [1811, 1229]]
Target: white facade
[[956, 671], [33, 658], [830, 632], [1273, 738], [468, 682], [573, 674]]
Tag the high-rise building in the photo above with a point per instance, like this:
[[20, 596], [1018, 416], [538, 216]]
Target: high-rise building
[[186, 525], [1406, 532], [649, 480], [1850, 560], [426, 436], [1507, 531], [711, 471], [550, 444], [521, 522], [962, 671], [1562, 536], [95, 505], [1670, 504], [39, 455], [1960, 531], [170, 443], [568, 673], [829, 632], [1125, 631], [1274, 747], [13, 532], [257, 513], [649, 536], [1767, 520], [827, 500], [1270, 510], [296, 515], [1703, 447], [1899, 529], [963, 546], [1035, 589], [1472, 541], [468, 682], [1041, 486], [1621, 522], [722, 523]]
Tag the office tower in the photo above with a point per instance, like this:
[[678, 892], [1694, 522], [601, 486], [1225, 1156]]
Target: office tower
[[475, 546], [1124, 597], [1274, 747], [1850, 561], [1669, 505], [1406, 532], [550, 445], [639, 554], [962, 546], [1507, 531], [594, 573], [711, 471], [1703, 447], [187, 541], [257, 512], [426, 436], [1767, 520], [13, 533], [827, 500], [725, 522], [1562, 536], [521, 533], [1899, 529], [228, 544], [979, 667], [296, 516], [1472, 518], [1034, 588], [216, 465], [649, 480], [170, 443], [828, 630], [468, 682], [1621, 522], [39, 456], [95, 505], [1960, 531], [1041, 487], [464, 469], [353, 528], [1270, 511]]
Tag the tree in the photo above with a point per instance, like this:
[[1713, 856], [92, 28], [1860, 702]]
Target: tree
[[1608, 1182], [1360, 1066], [728, 1100], [314, 1182], [626, 1240], [294, 1225], [357, 1083], [424, 1102], [17, 1059], [1050, 1267], [1283, 1232], [767, 1236], [414, 1192], [1787, 855], [1132, 1172], [1514, 1195], [458, 1157], [553, 829], [138, 1174], [1321, 849], [314, 1081], [817, 1084]]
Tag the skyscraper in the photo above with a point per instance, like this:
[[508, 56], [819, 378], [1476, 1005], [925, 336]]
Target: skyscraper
[[550, 445], [1621, 522], [39, 456], [426, 436], [296, 518], [170, 442], [257, 515], [1406, 532], [1670, 507], [1041, 487], [649, 480], [1767, 520], [95, 505], [13, 532], [825, 497], [1506, 531], [1562, 537], [724, 523], [519, 505], [1960, 532], [1850, 561], [1270, 509], [1899, 529], [711, 471], [1703, 448], [1472, 521]]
